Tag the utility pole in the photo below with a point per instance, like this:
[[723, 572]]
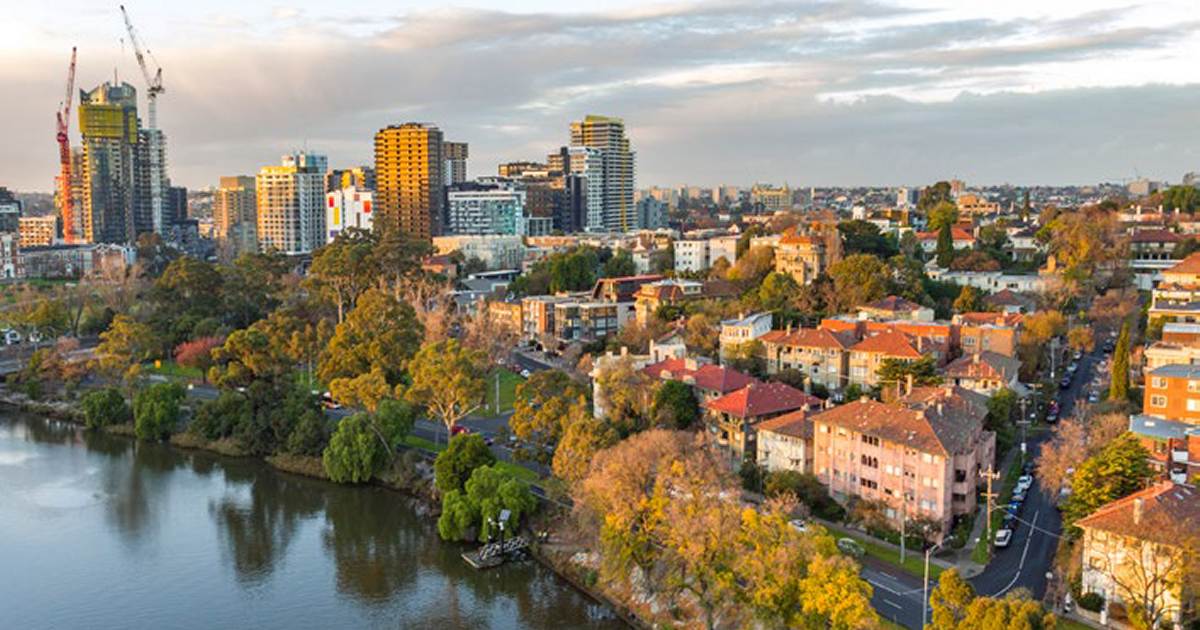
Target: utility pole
[[990, 476], [1053, 354], [497, 392], [925, 589]]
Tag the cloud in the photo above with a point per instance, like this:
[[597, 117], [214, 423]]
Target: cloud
[[726, 91]]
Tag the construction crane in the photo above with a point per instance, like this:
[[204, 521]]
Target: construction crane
[[154, 82], [63, 116]]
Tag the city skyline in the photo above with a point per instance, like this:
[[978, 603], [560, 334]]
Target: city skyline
[[714, 93]]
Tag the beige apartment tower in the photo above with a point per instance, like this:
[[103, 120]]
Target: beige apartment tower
[[606, 135], [409, 179], [290, 201], [235, 215]]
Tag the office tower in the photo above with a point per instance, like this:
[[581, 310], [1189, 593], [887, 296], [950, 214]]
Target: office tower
[[291, 204], [109, 126], [177, 204], [483, 209], [359, 177], [455, 168], [409, 185], [10, 211], [235, 215], [347, 208], [606, 136]]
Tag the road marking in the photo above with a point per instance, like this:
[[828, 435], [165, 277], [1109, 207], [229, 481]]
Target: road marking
[[892, 603], [877, 584], [1024, 552]]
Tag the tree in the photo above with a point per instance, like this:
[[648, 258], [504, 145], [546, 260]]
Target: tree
[[354, 454], [188, 291], [1080, 338], [125, 344], [620, 265], [836, 595], [1185, 248], [1016, 610], [393, 421], [895, 372], [454, 466], [47, 317], [198, 353], [345, 269], [220, 418], [104, 407], [251, 287], [624, 393], [448, 380], [1001, 407], [864, 237], [945, 246], [582, 437], [248, 355], [541, 409], [777, 291], [486, 493], [365, 390], [749, 270], [675, 406], [156, 411], [572, 271], [1119, 469], [857, 279], [1182, 198], [932, 196], [379, 333], [1119, 370], [950, 600], [310, 436], [968, 301], [941, 216]]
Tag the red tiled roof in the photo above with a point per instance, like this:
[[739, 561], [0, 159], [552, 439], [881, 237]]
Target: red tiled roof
[[895, 304], [795, 424], [707, 376], [1163, 503], [1155, 236], [892, 344], [761, 399], [989, 365], [808, 338], [956, 234], [1191, 264], [985, 317]]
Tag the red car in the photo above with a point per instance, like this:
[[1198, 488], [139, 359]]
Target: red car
[[459, 429]]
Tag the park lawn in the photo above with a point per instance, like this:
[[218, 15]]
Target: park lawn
[[982, 553], [508, 391], [914, 562], [174, 370], [419, 442], [518, 471]]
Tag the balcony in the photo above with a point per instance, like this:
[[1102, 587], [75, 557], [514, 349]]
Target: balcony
[[1179, 457]]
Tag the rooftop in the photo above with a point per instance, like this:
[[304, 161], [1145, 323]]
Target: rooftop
[[795, 424], [1177, 371], [985, 364], [761, 399], [705, 376], [1189, 265], [809, 338], [893, 303], [893, 344], [1143, 514]]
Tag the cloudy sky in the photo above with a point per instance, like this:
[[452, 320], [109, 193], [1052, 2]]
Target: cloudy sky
[[726, 91]]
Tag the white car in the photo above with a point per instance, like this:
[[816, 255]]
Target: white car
[[524, 373], [799, 525], [1003, 537], [1024, 482]]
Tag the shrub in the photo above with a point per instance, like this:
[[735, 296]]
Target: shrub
[[310, 435], [156, 411], [1092, 602], [354, 453], [217, 419], [453, 466], [104, 407]]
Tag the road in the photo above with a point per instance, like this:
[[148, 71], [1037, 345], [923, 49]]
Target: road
[[1027, 559]]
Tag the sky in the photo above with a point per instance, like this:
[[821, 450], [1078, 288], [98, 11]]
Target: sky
[[861, 92]]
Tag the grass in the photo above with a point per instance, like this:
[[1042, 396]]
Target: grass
[[508, 390], [1071, 624], [518, 471], [914, 562], [413, 441], [174, 370], [982, 553]]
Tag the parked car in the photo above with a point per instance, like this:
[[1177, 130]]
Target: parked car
[[1093, 397], [524, 373], [1065, 382], [1052, 417], [850, 547], [1078, 355], [1025, 482], [328, 402], [1018, 496], [459, 429], [799, 525], [11, 337], [1003, 538]]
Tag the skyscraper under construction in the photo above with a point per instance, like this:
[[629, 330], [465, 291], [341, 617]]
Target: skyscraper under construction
[[109, 124]]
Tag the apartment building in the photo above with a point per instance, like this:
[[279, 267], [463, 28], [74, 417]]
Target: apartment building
[[673, 292], [1174, 446], [37, 231], [347, 208], [235, 215], [989, 332], [290, 200], [709, 381], [409, 179], [868, 355], [823, 355], [801, 256], [733, 417], [894, 307], [971, 205], [785, 442], [921, 455], [1173, 393], [742, 330], [1177, 296]]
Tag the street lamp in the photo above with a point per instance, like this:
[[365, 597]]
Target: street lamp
[[925, 590]]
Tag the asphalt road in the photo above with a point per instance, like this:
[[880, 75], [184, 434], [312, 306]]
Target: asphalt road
[[1023, 564]]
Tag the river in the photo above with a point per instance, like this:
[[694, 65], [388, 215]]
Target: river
[[99, 531]]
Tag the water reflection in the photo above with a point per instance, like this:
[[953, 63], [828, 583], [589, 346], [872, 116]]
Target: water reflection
[[374, 542]]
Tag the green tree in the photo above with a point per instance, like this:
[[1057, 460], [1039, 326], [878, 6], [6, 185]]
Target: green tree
[[487, 492], [942, 215], [104, 407], [945, 246], [251, 287], [968, 301], [1118, 388], [310, 435], [187, 292], [344, 269], [219, 418], [156, 411], [620, 265], [896, 371], [1182, 198], [380, 332], [454, 465], [857, 280], [124, 345], [447, 379], [354, 454], [675, 406], [864, 237], [1118, 470], [572, 271], [541, 410], [394, 420], [950, 600], [777, 291], [933, 196]]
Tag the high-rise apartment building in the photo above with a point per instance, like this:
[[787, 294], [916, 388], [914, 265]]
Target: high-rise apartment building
[[347, 208], [235, 215], [151, 207], [409, 183], [455, 168], [585, 173], [177, 204], [517, 169], [484, 210], [109, 125], [606, 136], [10, 211], [359, 177], [291, 204]]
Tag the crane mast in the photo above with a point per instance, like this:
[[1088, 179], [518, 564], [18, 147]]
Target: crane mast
[[154, 83], [63, 119], [156, 150]]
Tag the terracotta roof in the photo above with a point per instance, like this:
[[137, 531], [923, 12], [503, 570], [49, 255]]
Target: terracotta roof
[[986, 317], [1155, 236], [930, 419], [809, 338], [892, 344], [956, 234], [795, 424], [984, 364], [1164, 502], [1008, 297], [719, 289], [707, 376], [760, 399], [1191, 264], [895, 304]]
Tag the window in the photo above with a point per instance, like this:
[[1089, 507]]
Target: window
[[1158, 400], [1193, 386], [960, 476], [1158, 382], [870, 462], [868, 483], [870, 439], [1193, 404]]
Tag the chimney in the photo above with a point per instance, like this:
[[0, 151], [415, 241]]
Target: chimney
[[1137, 511], [908, 385], [976, 357], [807, 384]]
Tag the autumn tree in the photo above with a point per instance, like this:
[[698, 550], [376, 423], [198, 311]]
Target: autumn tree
[[197, 354], [582, 437], [835, 596], [379, 333], [624, 393], [248, 355], [858, 279], [1080, 338], [125, 344], [1118, 388], [1161, 568], [1119, 469], [447, 379], [1016, 610], [950, 600], [543, 406], [969, 300]]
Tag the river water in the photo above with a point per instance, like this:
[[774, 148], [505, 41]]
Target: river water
[[99, 531]]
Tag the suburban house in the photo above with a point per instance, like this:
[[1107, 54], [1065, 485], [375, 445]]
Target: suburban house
[[962, 240], [734, 416], [821, 354], [921, 455], [894, 307], [985, 373], [742, 330], [785, 442], [868, 355], [675, 291], [1009, 301], [1133, 550]]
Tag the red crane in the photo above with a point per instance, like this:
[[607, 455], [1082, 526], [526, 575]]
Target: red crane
[[64, 156]]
